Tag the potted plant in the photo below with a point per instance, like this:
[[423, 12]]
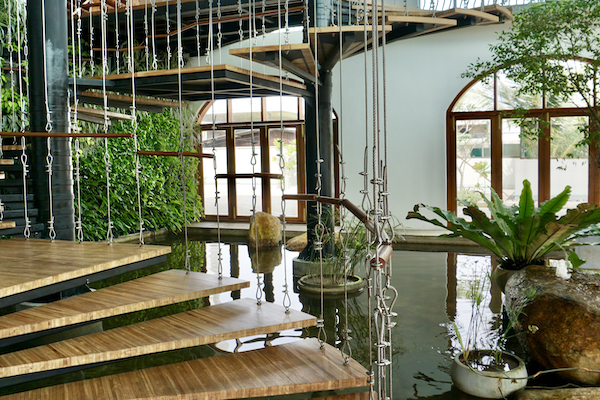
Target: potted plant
[[519, 235], [482, 368]]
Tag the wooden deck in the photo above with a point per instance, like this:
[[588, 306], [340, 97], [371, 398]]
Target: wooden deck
[[207, 325], [163, 288], [29, 264], [298, 367]]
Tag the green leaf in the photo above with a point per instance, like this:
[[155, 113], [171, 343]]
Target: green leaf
[[576, 262], [526, 204]]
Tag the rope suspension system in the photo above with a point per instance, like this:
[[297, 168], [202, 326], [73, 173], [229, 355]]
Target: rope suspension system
[[104, 28], [92, 63], [74, 121], [287, 301], [117, 43], [219, 33], [154, 56], [345, 349], [146, 38], [210, 59], [253, 157], [319, 227], [182, 137], [198, 44], [48, 128], [131, 67], [168, 20]]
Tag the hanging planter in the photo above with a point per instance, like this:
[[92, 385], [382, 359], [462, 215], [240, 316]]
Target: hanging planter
[[333, 285], [488, 374]]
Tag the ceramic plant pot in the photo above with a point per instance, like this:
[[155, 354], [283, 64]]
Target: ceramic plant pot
[[311, 284], [478, 379]]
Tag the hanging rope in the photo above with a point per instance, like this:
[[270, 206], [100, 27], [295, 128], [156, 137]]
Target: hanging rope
[[49, 158], [210, 59], [74, 121], [131, 67], [104, 29]]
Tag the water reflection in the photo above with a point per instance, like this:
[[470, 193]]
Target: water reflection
[[432, 295]]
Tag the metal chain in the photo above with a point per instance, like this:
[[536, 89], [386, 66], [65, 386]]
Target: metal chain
[[214, 128], [168, 20], [79, 31], [219, 33], [92, 63], [117, 43], [11, 49], [197, 17], [74, 122], [146, 33], [27, 229], [20, 69]]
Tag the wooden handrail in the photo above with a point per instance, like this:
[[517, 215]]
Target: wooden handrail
[[65, 134], [174, 154], [247, 176]]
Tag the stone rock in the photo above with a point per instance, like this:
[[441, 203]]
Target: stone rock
[[589, 393], [265, 260], [564, 317], [265, 231], [298, 243]]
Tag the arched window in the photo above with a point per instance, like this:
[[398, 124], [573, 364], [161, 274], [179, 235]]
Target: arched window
[[493, 143], [233, 156]]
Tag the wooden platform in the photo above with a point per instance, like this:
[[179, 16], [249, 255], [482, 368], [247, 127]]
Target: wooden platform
[[12, 147], [7, 224], [163, 288], [353, 42], [207, 325], [297, 59], [464, 14], [299, 367], [29, 264], [197, 83], [2, 175], [7, 161]]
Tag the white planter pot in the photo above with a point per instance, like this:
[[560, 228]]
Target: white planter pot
[[488, 384]]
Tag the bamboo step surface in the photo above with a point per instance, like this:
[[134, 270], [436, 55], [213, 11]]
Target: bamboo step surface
[[298, 367], [62, 261], [7, 224], [163, 288], [207, 325]]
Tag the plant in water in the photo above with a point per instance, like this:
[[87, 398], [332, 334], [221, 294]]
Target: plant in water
[[519, 235]]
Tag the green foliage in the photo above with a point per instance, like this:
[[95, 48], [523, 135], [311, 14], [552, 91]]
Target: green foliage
[[520, 235], [539, 53], [160, 181]]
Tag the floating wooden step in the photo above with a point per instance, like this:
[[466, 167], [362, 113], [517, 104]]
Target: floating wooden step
[[353, 42], [207, 325], [502, 12], [12, 147], [160, 289], [298, 367], [408, 26], [297, 59], [7, 161], [7, 224], [100, 113], [478, 16], [61, 260], [2, 175]]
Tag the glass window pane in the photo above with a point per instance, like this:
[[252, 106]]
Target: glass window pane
[[219, 108], [210, 207], [473, 165], [290, 157], [585, 73], [508, 99], [480, 97], [288, 106], [519, 158], [243, 165], [569, 162], [242, 109]]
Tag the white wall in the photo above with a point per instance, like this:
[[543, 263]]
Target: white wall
[[423, 77]]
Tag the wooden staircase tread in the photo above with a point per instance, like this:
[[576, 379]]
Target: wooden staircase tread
[[300, 55], [62, 261], [207, 325], [7, 161], [2, 175], [298, 367], [162, 288], [462, 12], [412, 19], [12, 147], [100, 113], [7, 224]]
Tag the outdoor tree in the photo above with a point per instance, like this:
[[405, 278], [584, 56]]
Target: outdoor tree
[[545, 53]]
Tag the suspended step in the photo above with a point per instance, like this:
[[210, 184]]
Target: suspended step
[[12, 147], [466, 17], [207, 325], [353, 42], [97, 115], [502, 12], [298, 367], [408, 26], [2, 175], [7, 161], [125, 101], [197, 83], [297, 59], [7, 224], [65, 264], [160, 289]]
